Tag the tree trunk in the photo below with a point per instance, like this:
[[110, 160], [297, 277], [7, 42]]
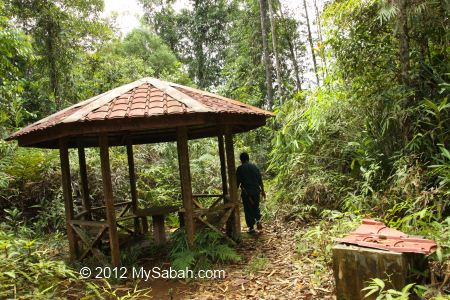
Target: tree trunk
[[51, 57], [198, 40], [267, 61], [319, 33], [275, 51], [402, 24], [311, 44], [292, 55]]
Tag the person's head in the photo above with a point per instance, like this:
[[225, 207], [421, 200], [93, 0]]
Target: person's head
[[244, 157]]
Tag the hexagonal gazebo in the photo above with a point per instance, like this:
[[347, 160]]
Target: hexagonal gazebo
[[148, 110]]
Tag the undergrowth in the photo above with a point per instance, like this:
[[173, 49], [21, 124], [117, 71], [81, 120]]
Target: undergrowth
[[210, 248]]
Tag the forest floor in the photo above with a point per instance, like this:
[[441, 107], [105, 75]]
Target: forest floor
[[270, 268]]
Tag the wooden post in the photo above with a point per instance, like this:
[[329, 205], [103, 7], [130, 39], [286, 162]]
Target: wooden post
[[84, 182], [109, 200], [185, 178], [232, 190], [159, 232], [223, 172], [132, 177], [223, 166], [67, 193]]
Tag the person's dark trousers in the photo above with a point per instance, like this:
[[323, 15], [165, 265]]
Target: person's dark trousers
[[251, 208]]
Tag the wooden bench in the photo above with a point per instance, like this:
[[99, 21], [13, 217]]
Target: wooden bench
[[158, 215]]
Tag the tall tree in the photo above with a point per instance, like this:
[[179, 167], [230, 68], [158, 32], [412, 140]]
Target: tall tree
[[292, 51], [267, 60], [402, 27], [274, 47], [62, 31], [311, 42], [196, 34], [319, 35]]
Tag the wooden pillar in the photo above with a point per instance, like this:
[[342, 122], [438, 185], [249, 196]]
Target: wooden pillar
[[132, 177], [84, 182], [223, 172], [185, 178], [159, 232], [232, 185], [67, 194], [109, 200], [223, 166]]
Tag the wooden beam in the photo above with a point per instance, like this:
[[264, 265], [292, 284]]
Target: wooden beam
[[109, 200], [67, 194], [133, 189], [186, 187], [201, 124], [84, 182], [156, 210], [232, 185], [89, 223]]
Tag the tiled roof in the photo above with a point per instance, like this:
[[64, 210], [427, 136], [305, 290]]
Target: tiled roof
[[144, 98], [374, 234]]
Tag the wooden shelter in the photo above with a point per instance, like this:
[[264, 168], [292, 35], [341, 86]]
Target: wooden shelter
[[148, 110]]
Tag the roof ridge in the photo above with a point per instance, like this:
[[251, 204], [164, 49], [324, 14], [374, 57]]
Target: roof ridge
[[203, 93], [166, 87], [104, 99]]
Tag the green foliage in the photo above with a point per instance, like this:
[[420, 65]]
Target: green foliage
[[15, 53], [377, 285], [196, 35], [314, 244], [210, 248], [26, 272]]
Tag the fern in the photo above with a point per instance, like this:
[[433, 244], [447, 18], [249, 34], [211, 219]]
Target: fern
[[210, 248]]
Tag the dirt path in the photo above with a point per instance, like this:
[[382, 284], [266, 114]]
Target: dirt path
[[269, 269]]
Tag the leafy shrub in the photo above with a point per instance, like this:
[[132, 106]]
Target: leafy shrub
[[209, 249]]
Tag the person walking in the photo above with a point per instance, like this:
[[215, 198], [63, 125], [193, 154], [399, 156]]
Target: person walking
[[249, 179]]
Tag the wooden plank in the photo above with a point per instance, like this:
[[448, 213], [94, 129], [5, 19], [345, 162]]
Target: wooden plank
[[89, 244], [133, 189], [186, 187], [217, 201], [156, 210], [67, 194], [84, 182], [206, 195], [159, 232], [125, 228], [232, 185], [80, 214], [109, 200], [196, 203], [203, 211], [89, 223], [225, 217], [90, 247], [123, 203]]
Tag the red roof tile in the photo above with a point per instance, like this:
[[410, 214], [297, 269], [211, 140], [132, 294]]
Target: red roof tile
[[144, 98], [374, 234]]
